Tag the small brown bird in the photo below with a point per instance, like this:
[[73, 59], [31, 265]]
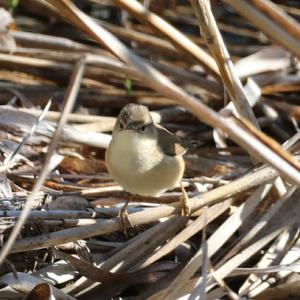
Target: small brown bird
[[144, 157]]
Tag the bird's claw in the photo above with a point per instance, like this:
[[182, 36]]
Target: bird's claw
[[124, 216], [185, 209]]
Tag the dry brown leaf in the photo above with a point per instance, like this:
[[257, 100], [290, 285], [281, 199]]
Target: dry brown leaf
[[41, 291], [82, 166]]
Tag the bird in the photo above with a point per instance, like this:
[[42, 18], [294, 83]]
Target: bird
[[143, 157]]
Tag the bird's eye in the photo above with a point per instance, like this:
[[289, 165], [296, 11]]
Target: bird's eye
[[121, 126], [143, 128]]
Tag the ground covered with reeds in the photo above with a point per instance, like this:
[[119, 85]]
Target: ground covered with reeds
[[224, 73]]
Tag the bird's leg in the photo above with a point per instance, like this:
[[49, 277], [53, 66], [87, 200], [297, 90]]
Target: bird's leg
[[185, 209], [123, 214]]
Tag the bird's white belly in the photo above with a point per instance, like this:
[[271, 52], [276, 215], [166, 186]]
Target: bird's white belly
[[139, 168]]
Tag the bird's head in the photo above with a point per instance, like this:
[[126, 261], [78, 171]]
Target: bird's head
[[134, 117]]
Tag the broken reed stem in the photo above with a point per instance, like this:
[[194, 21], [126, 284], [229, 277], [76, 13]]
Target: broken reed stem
[[216, 45]]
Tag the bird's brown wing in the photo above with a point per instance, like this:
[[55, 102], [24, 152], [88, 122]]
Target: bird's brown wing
[[169, 142]]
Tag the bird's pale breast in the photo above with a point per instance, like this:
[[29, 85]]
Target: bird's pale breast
[[140, 167]]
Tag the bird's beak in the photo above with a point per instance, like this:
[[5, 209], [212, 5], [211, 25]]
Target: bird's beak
[[131, 126]]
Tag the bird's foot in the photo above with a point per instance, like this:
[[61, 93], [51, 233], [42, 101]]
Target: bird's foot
[[124, 216], [185, 209]]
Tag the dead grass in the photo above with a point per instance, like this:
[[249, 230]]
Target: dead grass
[[66, 70]]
